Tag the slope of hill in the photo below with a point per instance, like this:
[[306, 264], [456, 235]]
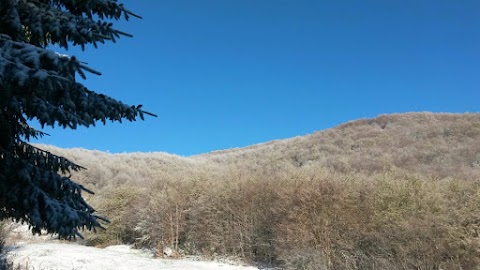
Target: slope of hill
[[434, 144], [398, 191]]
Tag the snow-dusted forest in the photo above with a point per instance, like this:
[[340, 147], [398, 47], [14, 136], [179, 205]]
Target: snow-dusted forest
[[365, 193]]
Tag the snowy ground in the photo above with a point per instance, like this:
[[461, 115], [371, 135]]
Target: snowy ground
[[48, 255], [62, 256]]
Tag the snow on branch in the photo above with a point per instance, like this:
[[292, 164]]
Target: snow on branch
[[36, 83], [109, 9], [37, 156], [52, 25]]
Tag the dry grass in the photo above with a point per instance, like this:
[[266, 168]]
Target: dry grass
[[394, 192]]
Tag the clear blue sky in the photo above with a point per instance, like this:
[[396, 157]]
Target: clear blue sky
[[231, 73]]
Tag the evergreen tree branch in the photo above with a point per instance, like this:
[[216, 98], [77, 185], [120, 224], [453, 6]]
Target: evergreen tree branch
[[54, 26], [36, 83], [71, 103], [10, 20], [52, 202], [45, 159], [109, 9]]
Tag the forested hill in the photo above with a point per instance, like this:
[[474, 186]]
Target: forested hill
[[372, 193], [433, 144], [436, 144]]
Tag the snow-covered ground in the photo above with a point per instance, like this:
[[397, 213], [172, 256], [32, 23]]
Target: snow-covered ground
[[62, 256], [55, 255]]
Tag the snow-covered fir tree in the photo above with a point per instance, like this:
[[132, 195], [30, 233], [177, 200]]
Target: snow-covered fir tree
[[37, 83]]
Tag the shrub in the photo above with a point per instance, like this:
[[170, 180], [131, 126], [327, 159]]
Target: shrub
[[398, 193]]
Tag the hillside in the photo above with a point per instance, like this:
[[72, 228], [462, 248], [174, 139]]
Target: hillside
[[398, 191], [437, 145]]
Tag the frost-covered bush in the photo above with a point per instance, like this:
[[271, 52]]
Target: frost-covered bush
[[257, 205]]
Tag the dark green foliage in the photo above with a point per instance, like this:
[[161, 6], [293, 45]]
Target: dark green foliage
[[39, 84]]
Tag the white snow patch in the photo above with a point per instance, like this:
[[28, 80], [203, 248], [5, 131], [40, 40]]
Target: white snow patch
[[64, 256]]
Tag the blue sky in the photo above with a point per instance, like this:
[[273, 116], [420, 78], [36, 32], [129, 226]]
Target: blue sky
[[232, 73]]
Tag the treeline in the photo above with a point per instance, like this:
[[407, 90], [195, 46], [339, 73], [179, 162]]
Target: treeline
[[394, 192]]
